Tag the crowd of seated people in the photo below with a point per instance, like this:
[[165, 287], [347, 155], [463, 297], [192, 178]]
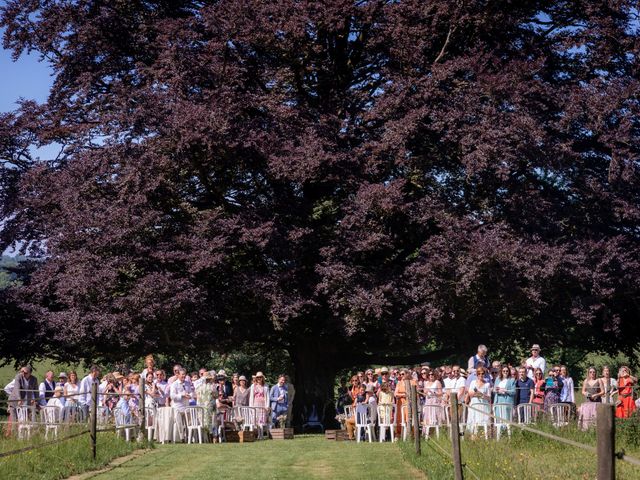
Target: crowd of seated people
[[484, 384]]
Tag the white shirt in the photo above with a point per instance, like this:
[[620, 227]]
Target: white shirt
[[42, 390], [85, 390], [567, 394], [538, 362], [176, 392], [8, 388], [453, 385], [163, 391], [55, 402]]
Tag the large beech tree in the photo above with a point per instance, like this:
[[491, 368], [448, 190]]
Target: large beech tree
[[351, 182]]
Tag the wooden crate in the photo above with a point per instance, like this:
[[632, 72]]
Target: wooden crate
[[336, 435], [281, 433], [233, 436]]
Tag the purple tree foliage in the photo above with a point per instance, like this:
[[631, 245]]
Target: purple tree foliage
[[349, 181]]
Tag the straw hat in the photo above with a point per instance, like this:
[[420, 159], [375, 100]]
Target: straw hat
[[259, 374], [384, 370], [222, 372], [62, 375], [242, 377]]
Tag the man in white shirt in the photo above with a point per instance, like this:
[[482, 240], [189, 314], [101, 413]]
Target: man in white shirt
[[454, 383], [85, 387], [180, 397], [179, 393], [535, 361]]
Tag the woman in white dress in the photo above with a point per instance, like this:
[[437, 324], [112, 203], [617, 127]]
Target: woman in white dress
[[478, 398], [432, 391], [71, 391], [610, 386]]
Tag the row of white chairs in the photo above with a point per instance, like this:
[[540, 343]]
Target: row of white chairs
[[436, 416]]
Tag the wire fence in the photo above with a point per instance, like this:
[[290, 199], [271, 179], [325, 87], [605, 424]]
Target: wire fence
[[604, 449]]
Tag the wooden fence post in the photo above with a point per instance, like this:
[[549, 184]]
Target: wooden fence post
[[94, 418], [415, 418], [143, 419], [606, 440], [455, 438]]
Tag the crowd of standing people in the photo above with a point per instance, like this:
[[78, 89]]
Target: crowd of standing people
[[214, 390], [485, 383]]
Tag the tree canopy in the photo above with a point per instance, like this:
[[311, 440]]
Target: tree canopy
[[350, 181]]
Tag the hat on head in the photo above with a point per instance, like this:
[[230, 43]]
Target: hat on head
[[242, 377], [222, 372], [259, 374], [535, 346], [117, 375], [62, 375], [384, 370]]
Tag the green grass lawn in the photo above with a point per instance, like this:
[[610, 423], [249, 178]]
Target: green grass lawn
[[524, 456], [305, 457], [58, 461]]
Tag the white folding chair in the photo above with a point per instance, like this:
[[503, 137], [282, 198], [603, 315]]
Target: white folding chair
[[527, 413], [51, 418], [405, 422], [25, 416], [503, 413], [194, 419], [559, 413], [124, 424], [248, 416], [363, 421], [103, 416], [475, 426], [433, 416], [150, 416], [385, 420], [348, 411]]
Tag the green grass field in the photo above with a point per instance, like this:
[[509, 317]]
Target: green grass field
[[305, 457], [524, 456], [61, 460]]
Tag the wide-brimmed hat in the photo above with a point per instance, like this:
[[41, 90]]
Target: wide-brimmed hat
[[259, 374], [222, 372], [384, 370], [535, 346], [242, 377], [62, 375]]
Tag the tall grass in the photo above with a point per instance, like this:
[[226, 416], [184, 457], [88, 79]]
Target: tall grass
[[525, 455], [61, 460]]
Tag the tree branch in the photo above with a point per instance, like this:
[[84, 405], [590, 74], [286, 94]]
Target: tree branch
[[444, 47]]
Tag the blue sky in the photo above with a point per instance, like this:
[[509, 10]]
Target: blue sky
[[26, 78]]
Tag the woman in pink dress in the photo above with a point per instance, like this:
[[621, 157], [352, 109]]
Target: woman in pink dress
[[432, 391], [259, 397]]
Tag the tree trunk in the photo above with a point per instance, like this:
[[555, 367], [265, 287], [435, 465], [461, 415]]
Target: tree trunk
[[314, 380]]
